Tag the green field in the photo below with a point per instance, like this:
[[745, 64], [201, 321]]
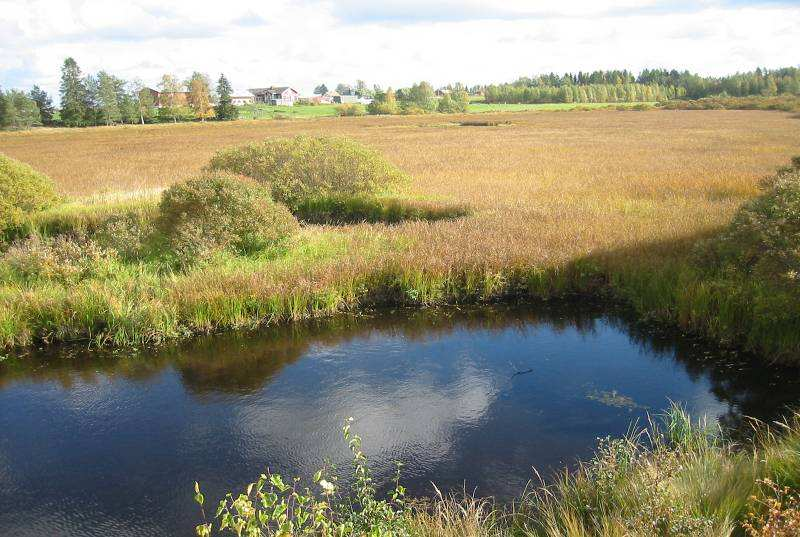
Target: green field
[[263, 111]]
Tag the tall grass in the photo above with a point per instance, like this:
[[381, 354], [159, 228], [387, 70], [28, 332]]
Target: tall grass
[[560, 205], [675, 477]]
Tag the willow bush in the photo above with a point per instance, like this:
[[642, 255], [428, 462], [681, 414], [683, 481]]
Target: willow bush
[[304, 167], [23, 191], [219, 211]]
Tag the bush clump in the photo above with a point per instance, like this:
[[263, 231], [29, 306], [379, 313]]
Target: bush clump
[[351, 109], [23, 190], [302, 168], [764, 237], [219, 211], [63, 258]]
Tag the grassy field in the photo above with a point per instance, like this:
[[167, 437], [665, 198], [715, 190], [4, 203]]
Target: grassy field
[[561, 203], [262, 111]]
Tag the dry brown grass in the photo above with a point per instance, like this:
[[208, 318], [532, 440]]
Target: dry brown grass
[[547, 189]]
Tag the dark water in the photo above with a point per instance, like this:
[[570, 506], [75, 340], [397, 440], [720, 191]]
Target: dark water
[[110, 444]]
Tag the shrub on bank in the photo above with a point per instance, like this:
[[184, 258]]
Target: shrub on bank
[[63, 258], [23, 191], [764, 238], [219, 211], [302, 168]]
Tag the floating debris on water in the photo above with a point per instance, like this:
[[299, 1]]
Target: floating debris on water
[[615, 399]]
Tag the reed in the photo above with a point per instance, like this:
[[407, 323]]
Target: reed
[[559, 204]]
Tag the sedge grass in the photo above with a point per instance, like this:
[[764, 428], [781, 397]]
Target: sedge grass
[[558, 204]]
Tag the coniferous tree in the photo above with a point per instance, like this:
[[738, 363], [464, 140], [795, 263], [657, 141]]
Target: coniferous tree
[[225, 108], [45, 104], [322, 89], [73, 94]]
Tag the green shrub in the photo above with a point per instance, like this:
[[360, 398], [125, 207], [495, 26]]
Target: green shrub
[[272, 506], [128, 234], [302, 168], [351, 109], [220, 211], [23, 191], [764, 237]]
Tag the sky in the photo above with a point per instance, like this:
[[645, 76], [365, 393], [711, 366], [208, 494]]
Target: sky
[[302, 43]]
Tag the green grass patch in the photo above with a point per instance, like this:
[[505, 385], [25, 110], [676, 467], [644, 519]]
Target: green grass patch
[[298, 111], [356, 209]]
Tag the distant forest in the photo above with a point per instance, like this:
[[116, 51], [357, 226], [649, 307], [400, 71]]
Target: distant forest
[[650, 85]]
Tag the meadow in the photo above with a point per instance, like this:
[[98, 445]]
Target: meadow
[[263, 111], [609, 203], [560, 204], [299, 111]]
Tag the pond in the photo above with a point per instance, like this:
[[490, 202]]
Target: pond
[[110, 443]]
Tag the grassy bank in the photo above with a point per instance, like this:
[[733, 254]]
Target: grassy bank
[[597, 209], [676, 477]]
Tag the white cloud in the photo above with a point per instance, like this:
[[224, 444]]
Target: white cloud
[[390, 43]]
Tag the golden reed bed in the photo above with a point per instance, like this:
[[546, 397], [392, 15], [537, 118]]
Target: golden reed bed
[[546, 188]]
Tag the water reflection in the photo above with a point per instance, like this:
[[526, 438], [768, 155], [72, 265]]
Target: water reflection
[[93, 443]]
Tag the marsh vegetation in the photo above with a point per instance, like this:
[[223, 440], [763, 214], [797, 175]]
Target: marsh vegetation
[[165, 231], [511, 211]]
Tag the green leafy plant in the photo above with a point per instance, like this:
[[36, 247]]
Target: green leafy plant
[[23, 191], [302, 168], [220, 211], [272, 506]]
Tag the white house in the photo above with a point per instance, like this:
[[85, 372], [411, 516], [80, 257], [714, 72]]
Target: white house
[[275, 95], [241, 100], [346, 99]]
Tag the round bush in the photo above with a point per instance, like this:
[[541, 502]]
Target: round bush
[[218, 212], [303, 168], [23, 190]]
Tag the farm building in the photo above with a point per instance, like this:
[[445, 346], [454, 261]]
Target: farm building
[[241, 100], [282, 95]]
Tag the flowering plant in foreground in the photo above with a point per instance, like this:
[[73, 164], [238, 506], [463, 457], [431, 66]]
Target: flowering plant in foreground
[[274, 507]]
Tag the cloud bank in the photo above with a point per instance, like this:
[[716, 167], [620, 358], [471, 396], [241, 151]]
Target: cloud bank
[[390, 43]]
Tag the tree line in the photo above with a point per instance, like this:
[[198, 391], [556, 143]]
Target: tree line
[[649, 85], [420, 98], [104, 99]]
